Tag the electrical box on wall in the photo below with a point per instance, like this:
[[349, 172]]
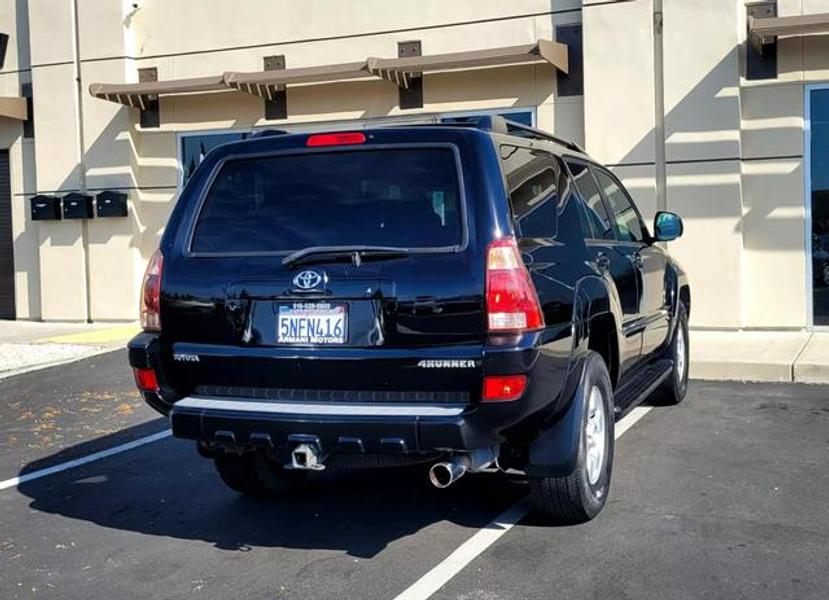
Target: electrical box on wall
[[45, 208], [77, 206], [111, 204]]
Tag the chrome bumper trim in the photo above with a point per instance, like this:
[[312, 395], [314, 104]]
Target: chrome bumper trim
[[323, 409]]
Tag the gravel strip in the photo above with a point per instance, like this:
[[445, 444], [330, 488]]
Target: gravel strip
[[17, 358]]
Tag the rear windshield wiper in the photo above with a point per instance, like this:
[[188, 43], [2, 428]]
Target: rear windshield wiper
[[356, 253]]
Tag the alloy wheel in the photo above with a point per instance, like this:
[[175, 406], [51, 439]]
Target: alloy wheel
[[595, 434]]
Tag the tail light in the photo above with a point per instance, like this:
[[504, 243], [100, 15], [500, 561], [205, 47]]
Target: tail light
[[146, 380], [511, 301], [151, 294], [503, 388]]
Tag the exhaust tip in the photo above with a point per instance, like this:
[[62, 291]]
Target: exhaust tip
[[444, 474]]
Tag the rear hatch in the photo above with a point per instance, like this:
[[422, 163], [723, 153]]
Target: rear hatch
[[343, 272]]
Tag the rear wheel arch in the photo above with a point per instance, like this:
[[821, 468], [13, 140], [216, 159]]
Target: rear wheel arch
[[600, 315], [604, 340]]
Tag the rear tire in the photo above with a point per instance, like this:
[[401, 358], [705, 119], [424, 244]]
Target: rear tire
[[253, 474], [580, 496], [672, 391]]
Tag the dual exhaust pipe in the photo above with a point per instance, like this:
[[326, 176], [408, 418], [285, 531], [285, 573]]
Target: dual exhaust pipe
[[444, 474], [307, 457]]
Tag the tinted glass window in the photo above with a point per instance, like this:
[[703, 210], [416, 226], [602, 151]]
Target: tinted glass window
[[573, 227], [625, 218], [402, 198], [596, 212], [532, 183], [195, 147], [819, 159], [525, 118]]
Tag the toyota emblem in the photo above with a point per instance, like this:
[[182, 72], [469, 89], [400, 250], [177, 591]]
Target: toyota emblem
[[307, 280]]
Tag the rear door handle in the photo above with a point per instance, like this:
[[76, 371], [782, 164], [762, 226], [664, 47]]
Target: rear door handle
[[602, 262]]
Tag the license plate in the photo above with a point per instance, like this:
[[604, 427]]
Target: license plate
[[312, 323]]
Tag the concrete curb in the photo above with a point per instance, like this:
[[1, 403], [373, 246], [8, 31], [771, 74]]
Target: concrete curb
[[761, 356]]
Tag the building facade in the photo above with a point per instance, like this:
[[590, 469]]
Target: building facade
[[715, 109]]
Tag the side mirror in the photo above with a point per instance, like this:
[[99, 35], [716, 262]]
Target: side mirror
[[667, 226]]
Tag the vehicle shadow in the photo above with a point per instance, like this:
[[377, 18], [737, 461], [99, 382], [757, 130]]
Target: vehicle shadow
[[166, 489]]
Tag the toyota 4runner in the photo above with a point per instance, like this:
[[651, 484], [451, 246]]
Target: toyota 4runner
[[473, 294]]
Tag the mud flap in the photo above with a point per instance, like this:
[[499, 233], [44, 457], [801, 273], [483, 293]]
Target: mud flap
[[555, 451]]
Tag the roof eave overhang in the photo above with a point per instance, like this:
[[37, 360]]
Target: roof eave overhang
[[265, 83], [138, 95], [767, 30], [13, 107], [399, 71]]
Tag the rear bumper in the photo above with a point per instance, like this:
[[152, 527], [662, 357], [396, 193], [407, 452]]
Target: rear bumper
[[385, 428], [343, 422]]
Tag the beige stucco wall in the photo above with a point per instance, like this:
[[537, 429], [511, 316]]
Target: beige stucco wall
[[15, 72], [120, 154], [702, 140], [775, 262], [734, 148]]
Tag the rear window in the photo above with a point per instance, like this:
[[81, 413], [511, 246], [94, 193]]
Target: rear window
[[405, 198]]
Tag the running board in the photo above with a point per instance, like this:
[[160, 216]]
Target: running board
[[635, 391]]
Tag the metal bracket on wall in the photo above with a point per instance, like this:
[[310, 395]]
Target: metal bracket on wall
[[411, 96], [763, 10], [572, 82], [274, 96], [150, 113], [761, 51], [29, 123], [4, 43]]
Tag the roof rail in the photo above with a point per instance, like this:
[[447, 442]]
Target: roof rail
[[267, 133], [498, 124]]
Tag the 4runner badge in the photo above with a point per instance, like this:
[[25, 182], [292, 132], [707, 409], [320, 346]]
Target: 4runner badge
[[446, 364]]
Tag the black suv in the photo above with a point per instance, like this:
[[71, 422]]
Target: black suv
[[473, 295]]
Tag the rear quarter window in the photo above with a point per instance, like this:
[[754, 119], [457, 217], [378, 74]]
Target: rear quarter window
[[532, 178], [406, 198]]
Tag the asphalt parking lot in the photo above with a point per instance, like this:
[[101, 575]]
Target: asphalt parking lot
[[722, 497]]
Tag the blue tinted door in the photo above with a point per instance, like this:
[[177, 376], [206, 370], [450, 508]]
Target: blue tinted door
[[819, 168]]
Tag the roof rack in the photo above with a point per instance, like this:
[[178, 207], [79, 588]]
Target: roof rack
[[498, 124]]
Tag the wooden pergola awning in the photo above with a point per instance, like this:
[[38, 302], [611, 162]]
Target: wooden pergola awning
[[138, 95], [265, 83], [399, 71], [765, 30], [12, 107]]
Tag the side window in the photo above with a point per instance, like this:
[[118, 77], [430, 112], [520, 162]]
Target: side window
[[597, 216], [625, 218], [532, 184], [573, 226]]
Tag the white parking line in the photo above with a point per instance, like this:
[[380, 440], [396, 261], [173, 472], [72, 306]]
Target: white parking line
[[424, 587], [83, 460], [453, 564]]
